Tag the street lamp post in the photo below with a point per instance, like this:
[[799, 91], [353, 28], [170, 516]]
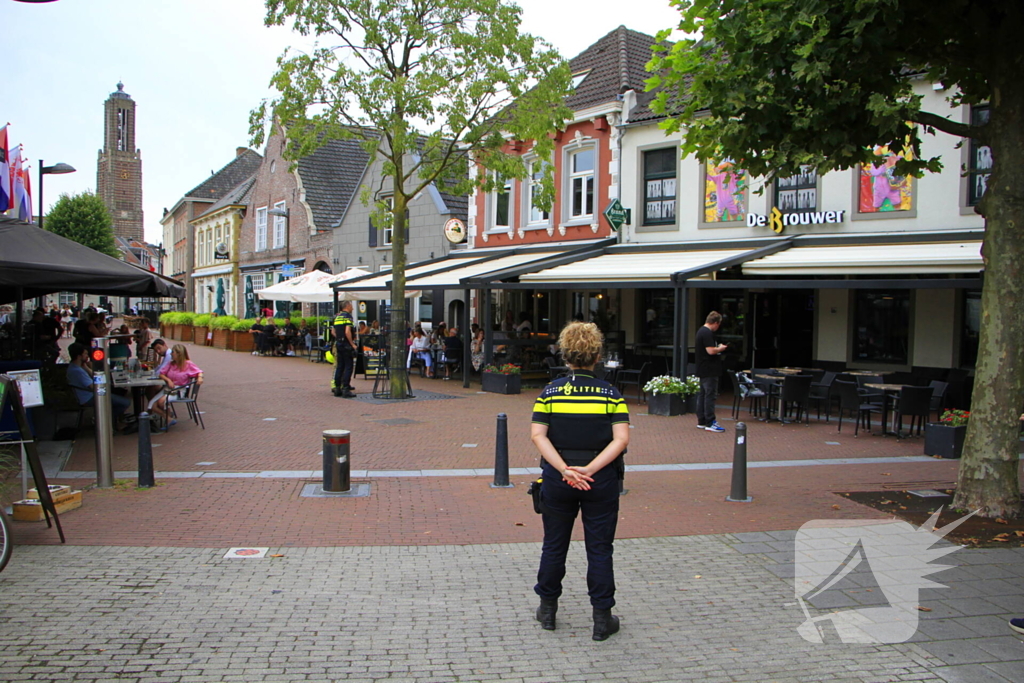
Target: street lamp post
[[47, 170], [286, 214]]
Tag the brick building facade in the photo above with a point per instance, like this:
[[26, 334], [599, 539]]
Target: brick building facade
[[119, 169]]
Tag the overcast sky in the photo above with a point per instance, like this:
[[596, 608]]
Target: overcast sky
[[195, 69]]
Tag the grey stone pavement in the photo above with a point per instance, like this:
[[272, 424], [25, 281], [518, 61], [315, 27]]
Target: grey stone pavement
[[713, 609]]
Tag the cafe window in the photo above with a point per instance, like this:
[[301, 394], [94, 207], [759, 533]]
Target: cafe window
[[971, 329], [659, 314], [660, 186], [882, 327], [979, 164], [797, 192]]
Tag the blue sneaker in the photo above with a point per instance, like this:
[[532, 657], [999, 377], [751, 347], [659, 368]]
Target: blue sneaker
[[1017, 625], [714, 427]]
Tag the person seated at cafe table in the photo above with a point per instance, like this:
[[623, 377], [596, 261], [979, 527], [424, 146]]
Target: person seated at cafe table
[[176, 375], [452, 351], [270, 339], [420, 348], [291, 337], [80, 379]]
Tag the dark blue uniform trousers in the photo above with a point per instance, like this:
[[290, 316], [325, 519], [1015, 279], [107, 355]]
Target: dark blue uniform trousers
[[600, 506], [343, 369]]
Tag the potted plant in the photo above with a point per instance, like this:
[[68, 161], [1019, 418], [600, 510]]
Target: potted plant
[[671, 395], [241, 338], [222, 326], [946, 437], [200, 326], [502, 379]]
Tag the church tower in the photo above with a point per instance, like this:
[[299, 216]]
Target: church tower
[[119, 171]]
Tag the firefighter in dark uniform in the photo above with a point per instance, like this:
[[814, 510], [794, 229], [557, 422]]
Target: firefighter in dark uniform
[[345, 351], [581, 428]]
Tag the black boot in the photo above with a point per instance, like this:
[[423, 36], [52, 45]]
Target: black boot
[[605, 624], [546, 614]]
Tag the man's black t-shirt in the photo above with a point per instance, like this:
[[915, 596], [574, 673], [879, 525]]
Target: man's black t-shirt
[[707, 365]]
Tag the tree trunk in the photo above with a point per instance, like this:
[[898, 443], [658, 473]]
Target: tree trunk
[[399, 374], [988, 478]]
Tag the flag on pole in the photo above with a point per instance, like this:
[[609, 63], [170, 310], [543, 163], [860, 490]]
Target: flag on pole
[[18, 183], [5, 173], [27, 209]]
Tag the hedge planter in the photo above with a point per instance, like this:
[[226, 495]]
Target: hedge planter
[[501, 384], [186, 332], [200, 335], [242, 341], [943, 440], [222, 339]]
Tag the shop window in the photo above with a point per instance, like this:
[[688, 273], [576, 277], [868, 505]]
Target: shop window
[[660, 186], [882, 327], [969, 333], [979, 163], [798, 192], [659, 314]]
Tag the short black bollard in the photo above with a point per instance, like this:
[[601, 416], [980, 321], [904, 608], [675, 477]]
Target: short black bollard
[[501, 455], [337, 467], [146, 479], [738, 494]]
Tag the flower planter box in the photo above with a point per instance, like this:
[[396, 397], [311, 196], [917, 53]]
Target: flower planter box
[[943, 440], [666, 404], [222, 339], [501, 384], [242, 341], [186, 332]]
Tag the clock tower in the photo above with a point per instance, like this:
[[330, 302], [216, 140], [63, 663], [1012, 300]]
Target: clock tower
[[119, 171]]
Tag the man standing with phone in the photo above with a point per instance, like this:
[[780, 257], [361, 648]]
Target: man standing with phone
[[709, 368]]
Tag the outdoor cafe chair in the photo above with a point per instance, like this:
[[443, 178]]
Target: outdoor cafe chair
[[821, 392], [938, 401], [850, 402], [744, 388], [794, 395], [636, 379], [914, 402]]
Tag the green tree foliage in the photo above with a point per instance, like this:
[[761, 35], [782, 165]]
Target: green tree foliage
[[776, 84], [427, 85], [83, 218]]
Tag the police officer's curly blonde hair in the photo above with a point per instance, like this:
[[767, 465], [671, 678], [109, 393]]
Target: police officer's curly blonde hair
[[581, 344]]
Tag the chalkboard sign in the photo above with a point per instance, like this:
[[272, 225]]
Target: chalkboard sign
[[9, 393]]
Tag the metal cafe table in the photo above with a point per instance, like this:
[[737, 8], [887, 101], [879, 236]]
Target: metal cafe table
[[892, 392]]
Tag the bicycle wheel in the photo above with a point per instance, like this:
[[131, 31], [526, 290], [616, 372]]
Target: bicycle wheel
[[5, 540]]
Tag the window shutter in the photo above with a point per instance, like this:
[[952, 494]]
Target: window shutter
[[373, 234], [407, 226]]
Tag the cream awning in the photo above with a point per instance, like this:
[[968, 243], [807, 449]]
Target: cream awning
[[454, 278], [383, 281], [656, 266], [911, 258]]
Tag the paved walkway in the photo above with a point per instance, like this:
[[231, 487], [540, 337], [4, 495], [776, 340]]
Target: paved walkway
[[429, 577]]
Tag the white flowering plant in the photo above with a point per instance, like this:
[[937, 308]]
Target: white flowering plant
[[667, 384]]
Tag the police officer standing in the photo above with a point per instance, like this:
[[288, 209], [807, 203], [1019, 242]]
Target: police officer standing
[[345, 346], [581, 428]]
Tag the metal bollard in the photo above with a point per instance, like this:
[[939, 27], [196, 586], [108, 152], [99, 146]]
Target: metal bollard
[[501, 455], [738, 494], [337, 468], [146, 479]]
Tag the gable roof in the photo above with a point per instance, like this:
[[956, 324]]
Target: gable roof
[[330, 177], [227, 178], [615, 64], [236, 196]]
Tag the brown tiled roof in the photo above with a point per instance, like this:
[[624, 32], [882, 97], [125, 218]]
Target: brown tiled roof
[[231, 176], [615, 64]]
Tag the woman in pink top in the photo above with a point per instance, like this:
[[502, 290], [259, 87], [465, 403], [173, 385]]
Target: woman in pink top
[[178, 373]]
